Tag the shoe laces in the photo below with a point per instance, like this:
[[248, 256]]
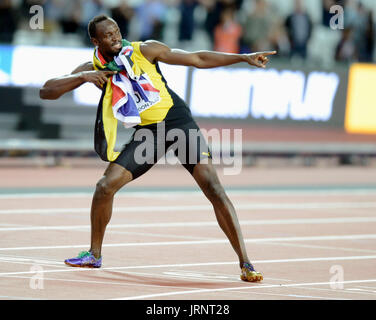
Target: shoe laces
[[84, 254], [248, 266]]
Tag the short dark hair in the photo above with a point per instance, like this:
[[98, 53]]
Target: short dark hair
[[92, 26]]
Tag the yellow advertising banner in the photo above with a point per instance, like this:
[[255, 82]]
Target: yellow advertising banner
[[361, 99]]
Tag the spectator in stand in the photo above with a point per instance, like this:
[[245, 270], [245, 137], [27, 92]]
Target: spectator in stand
[[187, 23], [299, 30], [278, 39], [122, 13], [88, 9], [53, 10], [257, 27], [360, 21], [8, 24], [364, 34], [351, 15], [212, 8], [370, 38], [346, 50], [228, 32], [151, 15], [326, 15], [67, 14], [214, 11], [72, 12]]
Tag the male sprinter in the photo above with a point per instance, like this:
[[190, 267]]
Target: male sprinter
[[170, 110]]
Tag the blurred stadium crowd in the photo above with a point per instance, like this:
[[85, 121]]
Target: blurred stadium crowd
[[298, 29]]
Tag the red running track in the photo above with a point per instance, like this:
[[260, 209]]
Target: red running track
[[310, 231]]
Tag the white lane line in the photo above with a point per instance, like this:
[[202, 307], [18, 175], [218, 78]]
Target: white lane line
[[165, 294], [203, 242], [255, 262], [183, 193], [339, 220], [8, 225], [244, 206], [366, 287], [299, 245], [362, 291], [28, 261], [107, 282], [159, 235]]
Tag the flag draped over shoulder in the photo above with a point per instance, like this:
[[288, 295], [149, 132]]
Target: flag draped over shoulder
[[127, 93]]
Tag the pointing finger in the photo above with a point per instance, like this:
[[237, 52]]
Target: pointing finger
[[268, 53]]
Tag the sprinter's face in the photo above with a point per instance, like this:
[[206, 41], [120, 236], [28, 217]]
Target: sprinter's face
[[108, 38]]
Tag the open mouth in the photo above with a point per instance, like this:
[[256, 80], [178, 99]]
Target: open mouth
[[117, 45]]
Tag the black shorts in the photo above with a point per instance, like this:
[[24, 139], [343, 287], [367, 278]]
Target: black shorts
[[150, 143]]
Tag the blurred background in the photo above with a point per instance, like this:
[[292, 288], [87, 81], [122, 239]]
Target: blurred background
[[314, 105]]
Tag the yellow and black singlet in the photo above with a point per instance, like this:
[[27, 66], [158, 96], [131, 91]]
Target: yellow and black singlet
[[171, 108]]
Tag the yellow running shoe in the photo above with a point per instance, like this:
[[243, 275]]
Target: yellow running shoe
[[250, 274]]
